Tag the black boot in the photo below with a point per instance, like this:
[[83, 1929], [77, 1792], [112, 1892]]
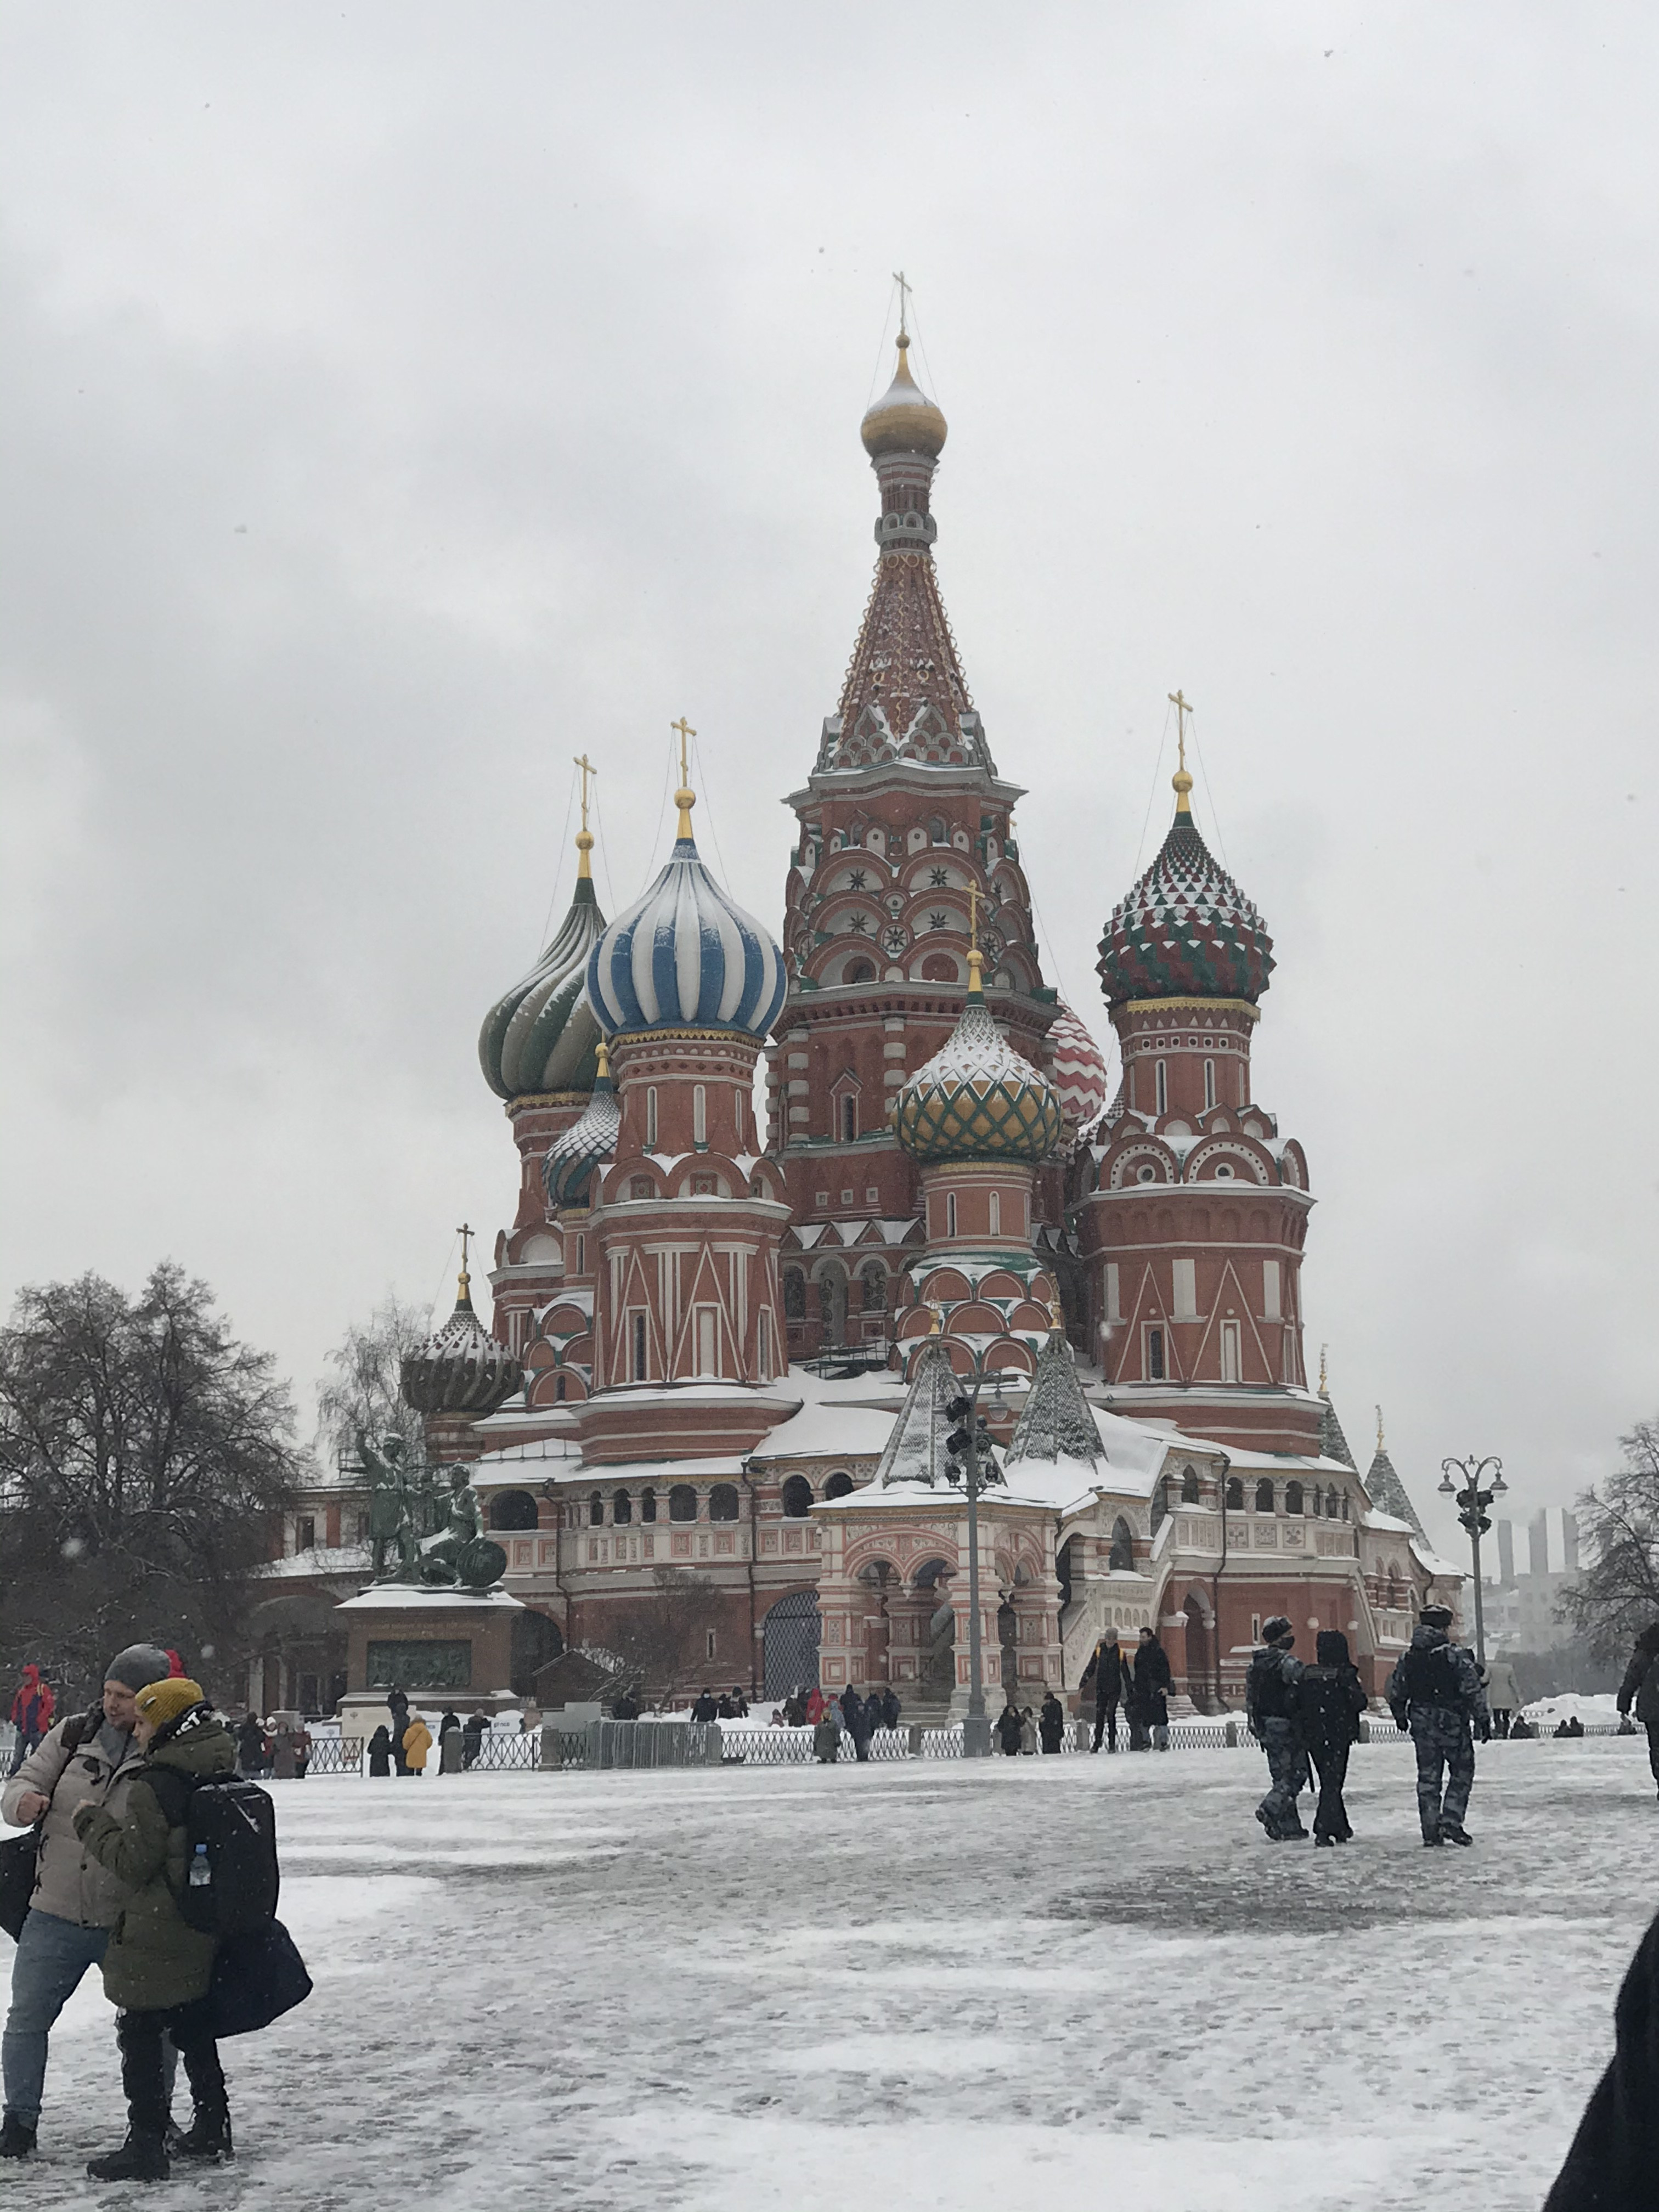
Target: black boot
[[1454, 1832], [209, 2141], [16, 2138], [141, 2158]]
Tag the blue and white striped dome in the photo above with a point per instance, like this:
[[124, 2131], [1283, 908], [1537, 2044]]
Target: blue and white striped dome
[[685, 957]]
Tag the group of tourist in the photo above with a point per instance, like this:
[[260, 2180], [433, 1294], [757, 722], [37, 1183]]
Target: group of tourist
[[279, 1747], [106, 1793], [1139, 1682], [1022, 1734], [730, 1705], [404, 1744]]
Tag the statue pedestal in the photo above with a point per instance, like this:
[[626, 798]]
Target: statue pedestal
[[443, 1647]]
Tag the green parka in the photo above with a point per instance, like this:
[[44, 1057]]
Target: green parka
[[154, 1959]]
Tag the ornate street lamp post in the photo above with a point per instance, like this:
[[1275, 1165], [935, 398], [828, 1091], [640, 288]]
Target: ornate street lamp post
[[1472, 1500], [973, 1463]]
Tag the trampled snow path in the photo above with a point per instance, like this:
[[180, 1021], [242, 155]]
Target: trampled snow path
[[1021, 1984]]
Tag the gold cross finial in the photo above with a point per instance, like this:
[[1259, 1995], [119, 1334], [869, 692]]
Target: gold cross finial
[[1182, 781], [937, 1312], [466, 1232], [1323, 1392], [976, 957], [583, 835], [1379, 1428], [904, 304], [686, 798]]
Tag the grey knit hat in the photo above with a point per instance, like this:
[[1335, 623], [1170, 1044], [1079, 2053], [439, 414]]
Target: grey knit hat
[[138, 1666]]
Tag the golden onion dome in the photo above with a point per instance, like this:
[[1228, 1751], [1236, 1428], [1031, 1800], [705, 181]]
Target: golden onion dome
[[904, 420], [977, 1098]]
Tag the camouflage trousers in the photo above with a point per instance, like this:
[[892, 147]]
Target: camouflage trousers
[[1287, 1765], [1444, 1744]]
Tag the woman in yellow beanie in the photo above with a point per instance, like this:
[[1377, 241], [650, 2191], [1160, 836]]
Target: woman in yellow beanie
[[417, 1742], [157, 1968]]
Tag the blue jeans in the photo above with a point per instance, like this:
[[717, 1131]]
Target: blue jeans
[[53, 1955]]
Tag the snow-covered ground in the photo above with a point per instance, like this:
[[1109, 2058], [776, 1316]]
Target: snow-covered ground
[[1019, 1983]]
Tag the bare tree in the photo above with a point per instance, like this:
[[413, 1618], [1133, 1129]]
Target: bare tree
[[362, 1391], [662, 1641], [145, 1458], [1617, 1595]]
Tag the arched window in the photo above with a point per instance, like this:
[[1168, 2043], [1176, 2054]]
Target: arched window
[[1122, 1559], [794, 1294], [558, 1389], [1235, 1493], [723, 1502], [647, 1505], [651, 1118], [1264, 1495], [874, 1279], [622, 1508], [1189, 1485], [949, 1213], [1345, 1506], [596, 1511], [1293, 1497], [1209, 1084], [682, 1502], [1331, 1506], [937, 832], [513, 1509], [996, 1213], [797, 1497], [1160, 1502], [860, 971], [838, 1485], [699, 1113], [849, 1118]]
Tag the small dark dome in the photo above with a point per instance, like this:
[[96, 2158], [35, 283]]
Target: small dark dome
[[460, 1368]]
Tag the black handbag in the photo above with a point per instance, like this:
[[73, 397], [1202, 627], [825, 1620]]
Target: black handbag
[[20, 1858], [258, 1976]]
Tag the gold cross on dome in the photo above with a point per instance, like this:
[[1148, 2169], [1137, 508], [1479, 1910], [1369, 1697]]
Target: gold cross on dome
[[466, 1232], [973, 914], [1178, 701], [587, 769], [686, 733], [905, 289]]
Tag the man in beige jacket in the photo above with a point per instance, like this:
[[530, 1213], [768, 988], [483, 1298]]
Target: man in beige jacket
[[87, 1758]]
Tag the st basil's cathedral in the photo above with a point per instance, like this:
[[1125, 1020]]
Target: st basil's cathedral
[[722, 1357]]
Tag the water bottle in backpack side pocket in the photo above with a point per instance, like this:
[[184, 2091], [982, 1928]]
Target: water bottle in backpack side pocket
[[201, 1874]]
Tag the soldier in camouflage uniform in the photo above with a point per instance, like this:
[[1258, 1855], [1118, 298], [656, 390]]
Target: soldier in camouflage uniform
[[1435, 1691], [1270, 1707]]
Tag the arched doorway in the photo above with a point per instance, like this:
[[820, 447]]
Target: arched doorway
[[789, 1646], [536, 1639], [513, 1509], [937, 1680]]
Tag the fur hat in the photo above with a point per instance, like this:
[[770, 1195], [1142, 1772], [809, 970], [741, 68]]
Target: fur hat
[[1273, 1629], [168, 1699], [1437, 1616], [139, 1665]]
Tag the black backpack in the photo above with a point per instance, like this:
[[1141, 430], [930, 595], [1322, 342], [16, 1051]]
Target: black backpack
[[231, 1875], [1431, 1676]]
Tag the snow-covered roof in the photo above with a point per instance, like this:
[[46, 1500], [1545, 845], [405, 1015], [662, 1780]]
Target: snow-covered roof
[[1432, 1563], [825, 1430], [407, 1597]]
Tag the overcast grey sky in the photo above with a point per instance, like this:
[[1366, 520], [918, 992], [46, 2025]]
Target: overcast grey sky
[[399, 400]]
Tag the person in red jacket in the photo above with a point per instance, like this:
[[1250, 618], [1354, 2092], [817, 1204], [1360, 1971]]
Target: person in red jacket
[[31, 1710]]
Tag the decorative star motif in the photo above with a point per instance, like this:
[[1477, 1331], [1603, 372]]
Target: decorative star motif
[[859, 924], [937, 920], [856, 880], [939, 877]]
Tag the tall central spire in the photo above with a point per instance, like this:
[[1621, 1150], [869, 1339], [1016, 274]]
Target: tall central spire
[[905, 697]]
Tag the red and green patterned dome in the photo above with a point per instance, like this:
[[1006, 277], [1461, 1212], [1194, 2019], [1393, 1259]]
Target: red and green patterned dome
[[1186, 931]]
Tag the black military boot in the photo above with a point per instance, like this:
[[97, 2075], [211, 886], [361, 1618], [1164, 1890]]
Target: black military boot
[[1454, 1832], [141, 2158], [16, 2138], [209, 2140]]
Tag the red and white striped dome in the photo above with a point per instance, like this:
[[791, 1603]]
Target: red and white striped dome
[[1079, 1071]]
